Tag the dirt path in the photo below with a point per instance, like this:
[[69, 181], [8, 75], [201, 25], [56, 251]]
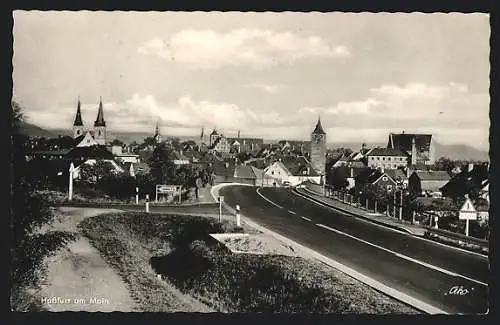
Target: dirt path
[[78, 279]]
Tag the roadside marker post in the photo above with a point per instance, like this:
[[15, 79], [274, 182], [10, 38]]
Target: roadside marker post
[[147, 202], [137, 196], [180, 194], [238, 222], [70, 190], [221, 199]]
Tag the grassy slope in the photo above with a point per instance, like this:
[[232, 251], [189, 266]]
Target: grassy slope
[[221, 280]]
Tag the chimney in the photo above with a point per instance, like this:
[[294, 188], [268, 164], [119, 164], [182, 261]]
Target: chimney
[[471, 167]]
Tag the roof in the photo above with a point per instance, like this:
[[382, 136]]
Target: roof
[[386, 152], [482, 205], [214, 132], [318, 129], [78, 117], [243, 171], [460, 183], [60, 152], [395, 174], [98, 152], [403, 141], [433, 175], [297, 165], [100, 116], [224, 169], [374, 176], [79, 138]]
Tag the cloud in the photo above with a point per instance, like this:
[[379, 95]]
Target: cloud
[[414, 105], [259, 48], [266, 87]]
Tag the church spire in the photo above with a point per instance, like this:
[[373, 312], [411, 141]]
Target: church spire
[[100, 115], [319, 129], [202, 131], [78, 118], [157, 130]]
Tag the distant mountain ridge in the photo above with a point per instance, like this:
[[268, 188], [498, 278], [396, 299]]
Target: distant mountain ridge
[[454, 152]]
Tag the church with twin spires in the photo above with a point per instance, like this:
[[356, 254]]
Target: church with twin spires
[[85, 137]]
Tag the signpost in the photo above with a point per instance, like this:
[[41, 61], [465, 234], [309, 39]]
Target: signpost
[[71, 173], [165, 189], [467, 212], [147, 202], [137, 196]]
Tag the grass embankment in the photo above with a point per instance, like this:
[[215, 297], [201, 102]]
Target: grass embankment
[[139, 245]]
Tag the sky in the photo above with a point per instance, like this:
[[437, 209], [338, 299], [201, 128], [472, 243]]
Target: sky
[[268, 75]]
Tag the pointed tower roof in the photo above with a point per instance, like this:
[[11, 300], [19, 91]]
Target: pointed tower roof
[[100, 116], [319, 129], [157, 130], [202, 132], [78, 118]]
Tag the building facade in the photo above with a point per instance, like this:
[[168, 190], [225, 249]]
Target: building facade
[[318, 149], [419, 147], [386, 158]]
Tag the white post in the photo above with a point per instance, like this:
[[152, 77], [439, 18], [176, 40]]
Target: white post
[[467, 227], [180, 194], [375, 206], [137, 196], [401, 206], [220, 210], [238, 223], [156, 197], [147, 202], [71, 172], [436, 218], [394, 207]]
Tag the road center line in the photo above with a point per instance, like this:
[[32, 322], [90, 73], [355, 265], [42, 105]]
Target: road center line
[[404, 256], [305, 218], [292, 212], [325, 205], [265, 198]]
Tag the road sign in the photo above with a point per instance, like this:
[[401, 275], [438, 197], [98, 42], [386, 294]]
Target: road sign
[[467, 212], [162, 189]]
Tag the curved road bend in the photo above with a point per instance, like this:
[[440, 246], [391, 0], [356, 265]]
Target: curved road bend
[[377, 254]]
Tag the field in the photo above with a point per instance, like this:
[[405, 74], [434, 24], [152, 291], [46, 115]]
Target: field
[[198, 271]]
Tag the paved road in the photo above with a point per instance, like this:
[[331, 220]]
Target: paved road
[[399, 260]]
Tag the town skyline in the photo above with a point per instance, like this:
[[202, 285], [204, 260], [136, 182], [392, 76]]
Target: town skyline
[[258, 73]]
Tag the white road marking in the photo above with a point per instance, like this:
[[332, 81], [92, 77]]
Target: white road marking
[[291, 212], [389, 228], [305, 218], [404, 256], [265, 198]]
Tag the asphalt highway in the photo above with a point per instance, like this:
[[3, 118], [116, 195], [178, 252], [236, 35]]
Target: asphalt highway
[[422, 269]]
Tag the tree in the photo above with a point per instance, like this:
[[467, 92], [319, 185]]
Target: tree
[[445, 164], [93, 173], [117, 142], [338, 177], [163, 169]]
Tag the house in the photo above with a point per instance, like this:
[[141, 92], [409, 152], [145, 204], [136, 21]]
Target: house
[[386, 158], [388, 180], [294, 170], [92, 152], [178, 158], [135, 169], [428, 181], [229, 172], [47, 154], [472, 181], [419, 147]]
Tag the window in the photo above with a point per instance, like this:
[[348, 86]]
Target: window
[[384, 178], [272, 172], [389, 187], [383, 158], [77, 132], [99, 132], [378, 158]]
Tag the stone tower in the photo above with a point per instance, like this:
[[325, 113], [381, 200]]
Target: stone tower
[[318, 148], [157, 137], [78, 128], [100, 126]]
